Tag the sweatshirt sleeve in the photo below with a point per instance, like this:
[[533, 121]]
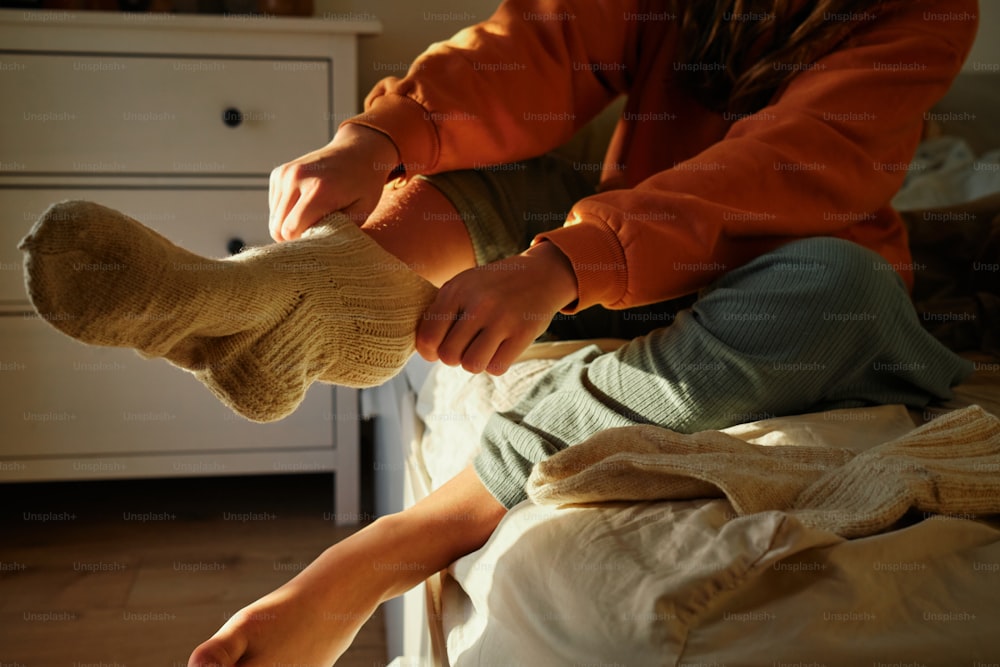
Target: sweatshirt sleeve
[[831, 149], [509, 88]]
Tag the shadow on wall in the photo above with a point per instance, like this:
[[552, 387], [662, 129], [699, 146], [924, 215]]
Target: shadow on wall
[[407, 29]]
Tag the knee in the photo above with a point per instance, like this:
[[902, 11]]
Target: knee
[[841, 275], [822, 288]]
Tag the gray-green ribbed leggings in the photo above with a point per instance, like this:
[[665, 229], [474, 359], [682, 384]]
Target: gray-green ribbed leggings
[[817, 324]]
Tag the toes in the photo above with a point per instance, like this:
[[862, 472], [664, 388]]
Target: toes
[[219, 651], [55, 229]]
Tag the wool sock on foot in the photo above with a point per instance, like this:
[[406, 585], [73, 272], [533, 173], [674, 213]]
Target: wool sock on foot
[[257, 328]]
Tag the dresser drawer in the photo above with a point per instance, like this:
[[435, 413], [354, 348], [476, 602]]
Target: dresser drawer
[[59, 397], [177, 123], [131, 114], [203, 221]]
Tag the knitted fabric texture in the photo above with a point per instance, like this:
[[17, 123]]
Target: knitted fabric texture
[[257, 328], [947, 466], [815, 325]]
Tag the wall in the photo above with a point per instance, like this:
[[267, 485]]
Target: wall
[[972, 106], [408, 27], [986, 50]]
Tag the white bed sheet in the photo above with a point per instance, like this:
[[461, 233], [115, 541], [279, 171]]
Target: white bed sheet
[[689, 583]]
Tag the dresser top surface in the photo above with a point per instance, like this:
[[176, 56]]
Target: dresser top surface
[[340, 23]]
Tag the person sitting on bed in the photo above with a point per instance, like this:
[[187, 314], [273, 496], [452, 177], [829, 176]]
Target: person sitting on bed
[[749, 176]]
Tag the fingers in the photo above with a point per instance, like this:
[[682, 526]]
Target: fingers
[[508, 352], [483, 353], [337, 177], [434, 326], [274, 188], [471, 347], [458, 340], [282, 195], [480, 340], [359, 211], [297, 202], [307, 211], [279, 214]]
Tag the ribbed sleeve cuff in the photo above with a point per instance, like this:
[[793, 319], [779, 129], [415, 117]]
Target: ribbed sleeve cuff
[[598, 261], [409, 125], [509, 451], [507, 490]]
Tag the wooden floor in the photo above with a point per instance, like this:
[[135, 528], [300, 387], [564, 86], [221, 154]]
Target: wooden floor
[[137, 573]]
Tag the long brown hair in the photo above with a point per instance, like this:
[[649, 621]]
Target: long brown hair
[[743, 51]]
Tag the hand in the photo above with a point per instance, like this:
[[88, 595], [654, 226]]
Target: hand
[[484, 318], [346, 175]]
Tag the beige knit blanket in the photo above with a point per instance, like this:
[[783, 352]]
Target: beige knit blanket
[[950, 465]]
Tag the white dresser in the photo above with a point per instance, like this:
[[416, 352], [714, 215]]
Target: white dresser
[[177, 121]]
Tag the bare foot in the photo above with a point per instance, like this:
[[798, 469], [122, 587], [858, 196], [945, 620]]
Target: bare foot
[[309, 622], [312, 620], [286, 625]]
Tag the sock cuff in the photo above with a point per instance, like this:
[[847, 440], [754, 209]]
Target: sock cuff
[[948, 466]]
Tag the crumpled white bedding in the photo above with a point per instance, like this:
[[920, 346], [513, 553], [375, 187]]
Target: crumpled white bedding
[[683, 583], [945, 172], [689, 582]]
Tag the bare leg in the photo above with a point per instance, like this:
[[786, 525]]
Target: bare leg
[[419, 225], [313, 618]]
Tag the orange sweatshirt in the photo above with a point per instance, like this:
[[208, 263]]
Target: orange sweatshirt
[[686, 194]]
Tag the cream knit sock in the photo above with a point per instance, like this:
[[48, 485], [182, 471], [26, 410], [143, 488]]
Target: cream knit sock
[[257, 328], [644, 462], [948, 466]]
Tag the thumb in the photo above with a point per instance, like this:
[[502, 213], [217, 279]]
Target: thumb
[[359, 210]]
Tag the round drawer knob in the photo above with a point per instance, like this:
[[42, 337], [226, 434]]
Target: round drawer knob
[[232, 117], [235, 245]]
